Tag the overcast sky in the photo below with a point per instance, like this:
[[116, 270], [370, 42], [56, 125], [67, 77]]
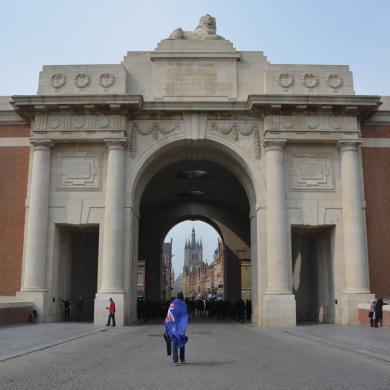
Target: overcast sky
[[38, 32]]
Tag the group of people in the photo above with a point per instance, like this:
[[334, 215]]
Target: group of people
[[67, 307], [376, 313], [222, 309]]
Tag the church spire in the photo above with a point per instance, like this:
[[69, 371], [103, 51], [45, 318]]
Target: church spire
[[193, 242]]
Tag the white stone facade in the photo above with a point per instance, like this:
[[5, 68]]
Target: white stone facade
[[290, 134]]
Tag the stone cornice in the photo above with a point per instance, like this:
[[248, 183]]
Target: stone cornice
[[379, 118], [362, 106], [11, 118], [28, 105]]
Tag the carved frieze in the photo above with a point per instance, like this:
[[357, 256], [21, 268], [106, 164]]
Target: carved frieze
[[310, 123], [153, 128], [235, 129], [47, 123], [310, 172], [80, 172]]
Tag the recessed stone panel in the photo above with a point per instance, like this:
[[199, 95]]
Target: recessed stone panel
[[311, 173], [195, 78], [80, 171]]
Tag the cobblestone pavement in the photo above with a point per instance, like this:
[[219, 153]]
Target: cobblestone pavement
[[219, 356]]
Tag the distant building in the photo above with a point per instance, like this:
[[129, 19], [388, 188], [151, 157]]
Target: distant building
[[141, 279], [200, 279], [193, 252], [245, 279], [167, 271]]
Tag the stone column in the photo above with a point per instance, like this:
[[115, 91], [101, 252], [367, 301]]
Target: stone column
[[34, 288], [355, 255], [34, 272], [113, 235], [278, 293]]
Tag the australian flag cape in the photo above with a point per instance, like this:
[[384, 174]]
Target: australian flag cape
[[176, 322]]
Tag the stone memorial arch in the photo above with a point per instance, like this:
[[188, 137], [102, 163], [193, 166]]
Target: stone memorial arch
[[281, 144]]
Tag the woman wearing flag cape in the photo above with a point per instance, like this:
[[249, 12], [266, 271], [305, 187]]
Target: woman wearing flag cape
[[176, 325]]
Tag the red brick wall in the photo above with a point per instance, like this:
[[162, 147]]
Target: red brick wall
[[363, 317], [14, 131], [13, 187], [376, 131], [14, 315], [376, 169]]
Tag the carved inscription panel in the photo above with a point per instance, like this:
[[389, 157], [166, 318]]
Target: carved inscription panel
[[311, 173], [80, 171], [195, 78]]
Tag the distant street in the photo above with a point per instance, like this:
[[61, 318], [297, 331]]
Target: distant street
[[219, 356]]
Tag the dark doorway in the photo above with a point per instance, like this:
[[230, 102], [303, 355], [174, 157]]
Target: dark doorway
[[313, 273], [83, 281]]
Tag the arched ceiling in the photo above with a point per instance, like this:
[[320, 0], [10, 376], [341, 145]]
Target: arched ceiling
[[199, 181]]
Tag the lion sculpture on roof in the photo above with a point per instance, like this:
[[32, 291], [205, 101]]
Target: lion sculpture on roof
[[207, 29]]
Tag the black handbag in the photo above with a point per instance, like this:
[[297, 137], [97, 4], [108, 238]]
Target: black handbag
[[168, 343]]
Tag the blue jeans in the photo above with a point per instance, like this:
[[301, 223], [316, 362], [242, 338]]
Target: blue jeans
[[174, 353], [111, 316]]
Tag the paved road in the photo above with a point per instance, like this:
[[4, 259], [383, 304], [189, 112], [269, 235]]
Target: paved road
[[220, 356]]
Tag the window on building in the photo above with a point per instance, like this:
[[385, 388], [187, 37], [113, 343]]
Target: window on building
[[194, 256], [140, 277]]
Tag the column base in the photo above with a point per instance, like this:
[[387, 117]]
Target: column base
[[349, 306], [279, 310], [39, 299], [101, 313]]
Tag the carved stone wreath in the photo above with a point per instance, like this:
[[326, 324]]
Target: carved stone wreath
[[335, 81], [285, 80], [57, 80], [310, 80], [82, 80], [106, 80]]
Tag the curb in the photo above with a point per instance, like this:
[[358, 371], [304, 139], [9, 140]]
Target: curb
[[49, 345]]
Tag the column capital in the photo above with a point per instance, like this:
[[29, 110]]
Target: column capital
[[349, 145], [41, 144], [116, 143], [274, 144]]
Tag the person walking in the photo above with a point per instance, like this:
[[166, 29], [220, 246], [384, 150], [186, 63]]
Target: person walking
[[66, 309], [176, 325], [111, 313]]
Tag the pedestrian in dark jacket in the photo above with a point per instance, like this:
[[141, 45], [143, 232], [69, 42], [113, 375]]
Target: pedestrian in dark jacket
[[379, 312], [66, 309]]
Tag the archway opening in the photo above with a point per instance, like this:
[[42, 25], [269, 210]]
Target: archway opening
[[313, 284], [196, 190], [193, 262], [76, 263]]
